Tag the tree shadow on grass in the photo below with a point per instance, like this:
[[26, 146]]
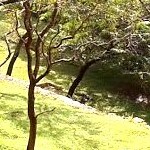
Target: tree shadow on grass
[[64, 124], [115, 92], [112, 91], [12, 96], [14, 109], [63, 74]]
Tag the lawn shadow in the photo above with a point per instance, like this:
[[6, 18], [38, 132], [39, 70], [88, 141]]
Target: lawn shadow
[[112, 91], [14, 110], [63, 74], [65, 124]]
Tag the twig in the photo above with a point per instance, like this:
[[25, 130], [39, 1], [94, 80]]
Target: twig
[[62, 60], [48, 111], [51, 23], [58, 31], [16, 28], [61, 41]]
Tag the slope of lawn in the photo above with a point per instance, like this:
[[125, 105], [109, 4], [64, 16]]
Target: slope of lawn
[[97, 83], [69, 128], [66, 127]]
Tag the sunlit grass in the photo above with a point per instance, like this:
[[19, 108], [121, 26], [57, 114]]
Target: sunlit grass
[[65, 127]]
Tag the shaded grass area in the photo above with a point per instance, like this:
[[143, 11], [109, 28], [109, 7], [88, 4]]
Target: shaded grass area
[[65, 128], [103, 84], [112, 91]]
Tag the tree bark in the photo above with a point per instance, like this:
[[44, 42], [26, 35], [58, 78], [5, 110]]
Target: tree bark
[[15, 55], [80, 76], [32, 117]]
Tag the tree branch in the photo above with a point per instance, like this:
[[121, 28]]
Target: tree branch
[[62, 60], [9, 52], [48, 111], [51, 23], [28, 27]]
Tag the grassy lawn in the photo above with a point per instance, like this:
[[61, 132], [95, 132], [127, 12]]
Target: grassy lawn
[[65, 128], [98, 83], [68, 128]]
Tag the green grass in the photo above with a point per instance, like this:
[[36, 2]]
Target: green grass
[[69, 128], [65, 128], [97, 83], [20, 67]]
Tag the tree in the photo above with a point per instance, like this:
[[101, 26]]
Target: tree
[[15, 55], [120, 25], [85, 66], [99, 33], [40, 11], [41, 49]]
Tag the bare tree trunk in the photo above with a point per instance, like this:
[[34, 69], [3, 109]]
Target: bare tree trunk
[[80, 76], [33, 73], [15, 55], [12, 62], [32, 117], [33, 68]]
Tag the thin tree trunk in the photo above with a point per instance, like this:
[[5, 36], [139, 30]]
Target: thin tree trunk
[[15, 55], [80, 76], [13, 60], [32, 117]]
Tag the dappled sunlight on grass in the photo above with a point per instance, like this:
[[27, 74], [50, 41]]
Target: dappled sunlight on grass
[[65, 127], [62, 74], [62, 127]]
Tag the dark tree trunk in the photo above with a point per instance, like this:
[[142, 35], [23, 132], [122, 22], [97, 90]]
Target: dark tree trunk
[[80, 76], [15, 56], [13, 60], [32, 117]]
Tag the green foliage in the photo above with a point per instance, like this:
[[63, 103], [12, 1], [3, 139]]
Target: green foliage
[[143, 27], [45, 17]]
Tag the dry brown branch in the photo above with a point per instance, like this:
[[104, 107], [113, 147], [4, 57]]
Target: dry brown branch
[[48, 59], [17, 27]]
